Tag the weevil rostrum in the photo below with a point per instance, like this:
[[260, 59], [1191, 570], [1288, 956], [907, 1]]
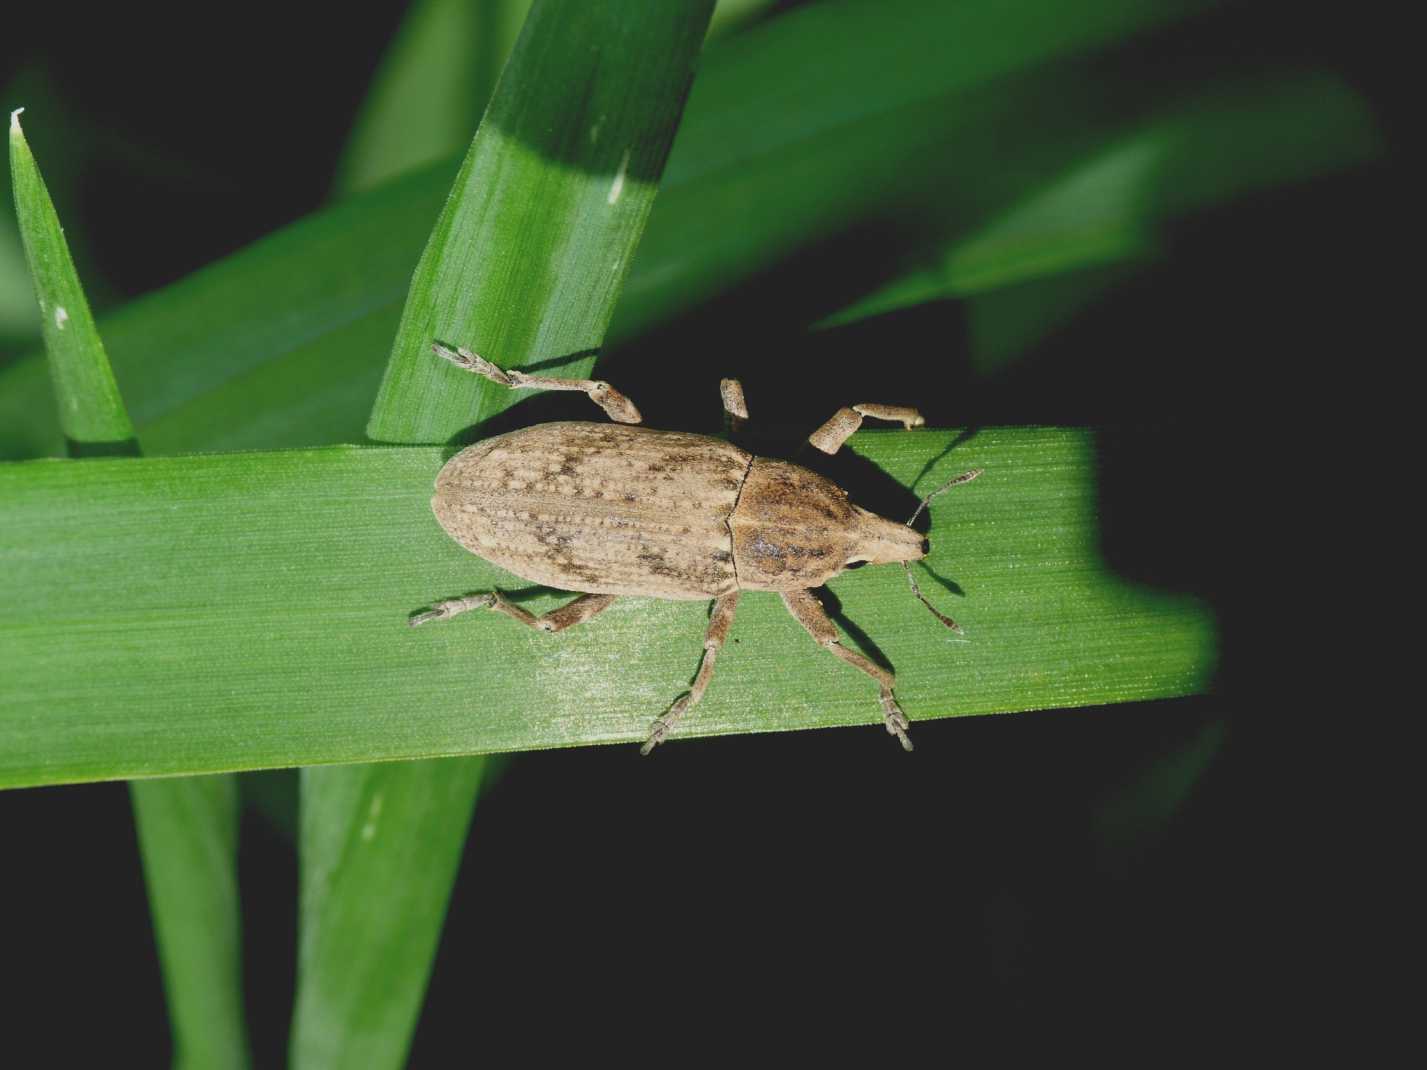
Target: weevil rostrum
[[605, 510]]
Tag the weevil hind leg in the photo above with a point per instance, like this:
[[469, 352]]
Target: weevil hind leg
[[809, 612], [618, 407], [720, 621], [839, 428], [557, 620]]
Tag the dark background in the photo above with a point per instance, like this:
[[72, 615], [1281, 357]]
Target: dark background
[[1099, 870]]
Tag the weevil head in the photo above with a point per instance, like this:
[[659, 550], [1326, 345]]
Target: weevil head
[[880, 541], [793, 528]]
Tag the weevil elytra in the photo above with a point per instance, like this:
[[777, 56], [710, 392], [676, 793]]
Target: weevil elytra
[[606, 510]]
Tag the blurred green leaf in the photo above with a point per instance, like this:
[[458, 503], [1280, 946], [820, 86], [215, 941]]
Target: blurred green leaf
[[431, 88], [1110, 205], [249, 611], [1138, 811]]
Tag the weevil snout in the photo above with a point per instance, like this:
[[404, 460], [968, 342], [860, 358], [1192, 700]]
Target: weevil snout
[[884, 542]]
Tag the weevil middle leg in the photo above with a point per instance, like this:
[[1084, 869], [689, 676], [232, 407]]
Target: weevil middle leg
[[735, 409], [616, 405], [840, 426], [720, 621], [809, 612], [557, 620]]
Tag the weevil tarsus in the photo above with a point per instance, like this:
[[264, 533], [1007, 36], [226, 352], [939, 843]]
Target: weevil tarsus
[[618, 407], [557, 620]]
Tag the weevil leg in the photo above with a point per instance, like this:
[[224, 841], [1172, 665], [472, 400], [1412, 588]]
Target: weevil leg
[[735, 409], [831, 435], [720, 621], [804, 606], [557, 620], [616, 405]]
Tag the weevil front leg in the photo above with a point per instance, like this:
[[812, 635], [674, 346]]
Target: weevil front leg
[[720, 621], [809, 612], [616, 405], [831, 435], [557, 620]]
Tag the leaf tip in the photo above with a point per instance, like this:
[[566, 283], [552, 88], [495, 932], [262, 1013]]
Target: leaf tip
[[15, 131]]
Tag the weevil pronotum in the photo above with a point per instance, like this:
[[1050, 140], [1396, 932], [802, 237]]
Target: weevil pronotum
[[606, 510]]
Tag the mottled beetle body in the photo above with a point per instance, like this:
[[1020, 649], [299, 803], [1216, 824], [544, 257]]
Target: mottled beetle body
[[611, 510]]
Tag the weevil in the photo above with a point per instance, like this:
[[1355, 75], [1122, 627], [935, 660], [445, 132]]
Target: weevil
[[606, 510]]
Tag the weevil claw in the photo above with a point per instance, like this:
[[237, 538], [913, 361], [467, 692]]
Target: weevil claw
[[657, 735], [895, 721], [464, 359]]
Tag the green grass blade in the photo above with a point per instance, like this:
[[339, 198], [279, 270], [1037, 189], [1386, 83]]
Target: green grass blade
[[91, 412], [187, 828], [536, 196], [188, 835], [380, 846], [249, 611], [431, 88], [532, 246]]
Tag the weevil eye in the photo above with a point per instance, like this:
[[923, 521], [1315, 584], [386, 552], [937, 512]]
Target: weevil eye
[[926, 547], [856, 562]]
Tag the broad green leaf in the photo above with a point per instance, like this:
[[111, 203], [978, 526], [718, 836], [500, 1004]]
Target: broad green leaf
[[211, 613], [380, 845], [578, 130], [431, 88], [91, 412], [187, 827], [188, 835]]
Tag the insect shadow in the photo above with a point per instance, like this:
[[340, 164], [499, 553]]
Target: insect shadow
[[860, 638]]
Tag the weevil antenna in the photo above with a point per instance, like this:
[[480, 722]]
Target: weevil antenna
[[955, 481]]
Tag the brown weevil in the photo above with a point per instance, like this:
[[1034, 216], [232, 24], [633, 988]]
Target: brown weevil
[[610, 509]]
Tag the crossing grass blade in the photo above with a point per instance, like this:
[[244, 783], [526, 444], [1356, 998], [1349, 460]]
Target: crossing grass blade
[[249, 611], [187, 827], [530, 250], [530, 245], [379, 848], [188, 835]]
